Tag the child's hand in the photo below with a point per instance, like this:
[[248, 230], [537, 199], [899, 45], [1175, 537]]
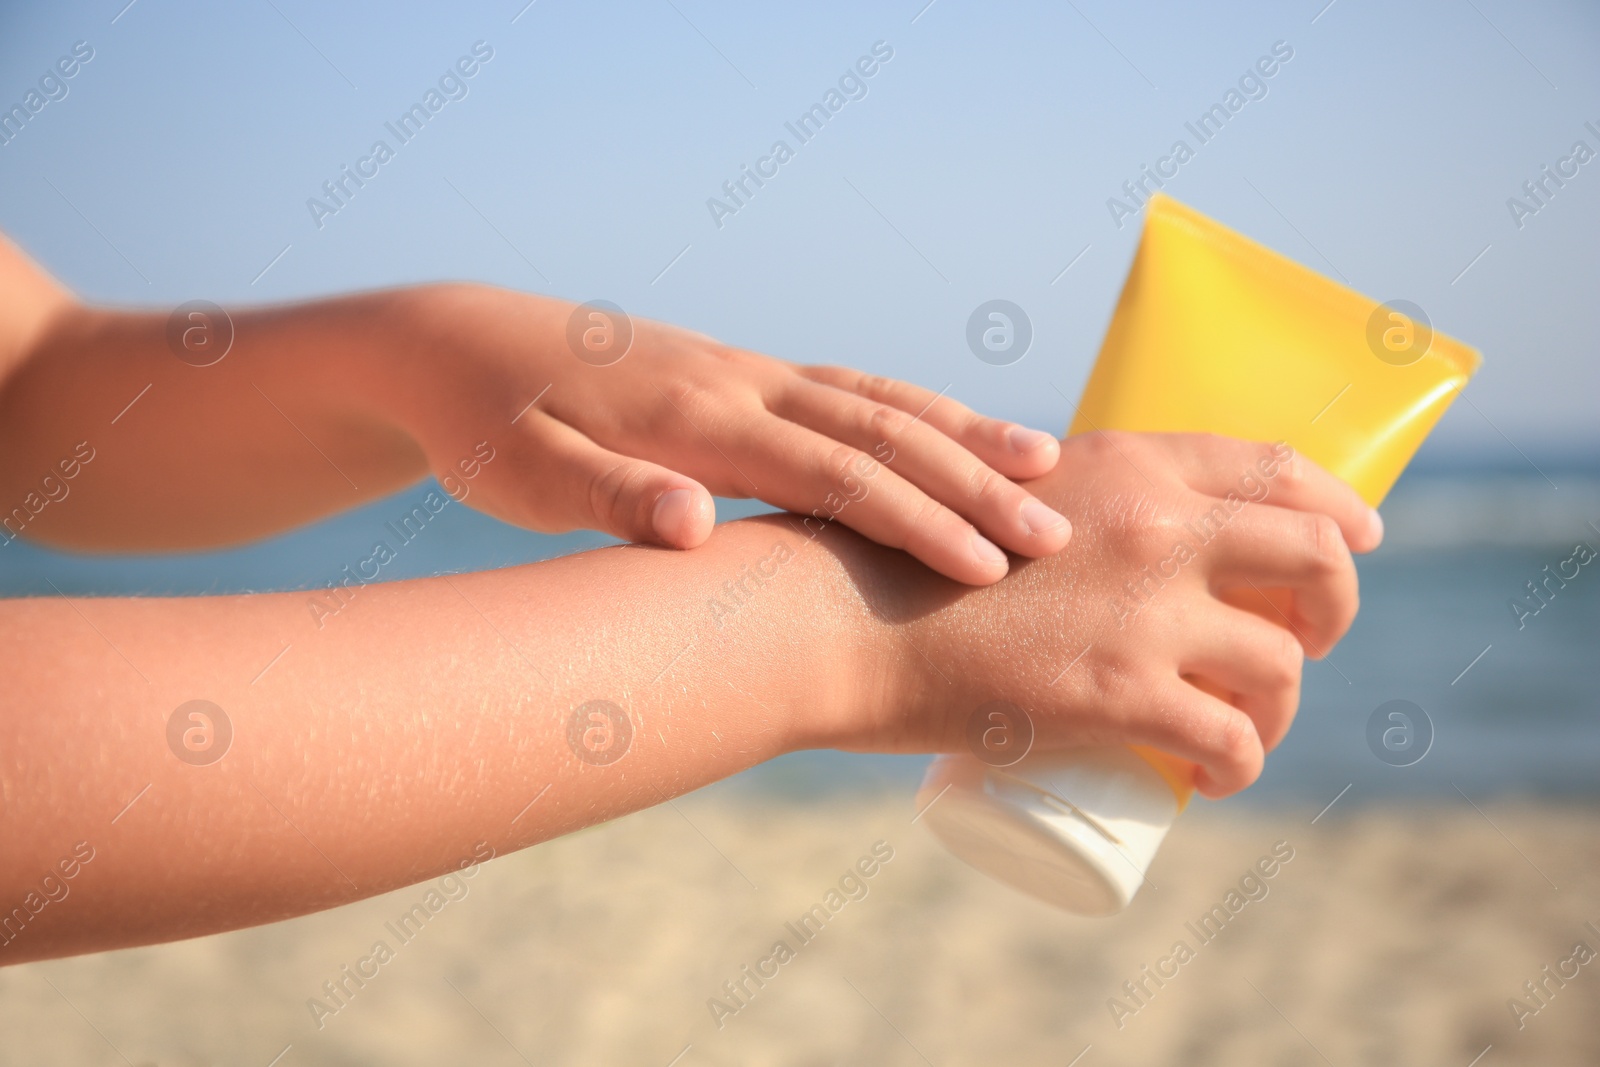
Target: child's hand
[[637, 448], [1180, 540]]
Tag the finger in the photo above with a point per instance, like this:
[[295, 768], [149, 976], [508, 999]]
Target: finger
[[1179, 718], [826, 480], [1013, 450], [580, 484], [1276, 473], [1003, 511], [1253, 665], [1269, 547]]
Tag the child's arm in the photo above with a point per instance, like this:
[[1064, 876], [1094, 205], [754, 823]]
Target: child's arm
[[313, 408], [427, 716]]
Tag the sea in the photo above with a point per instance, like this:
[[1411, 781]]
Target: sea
[[1492, 664]]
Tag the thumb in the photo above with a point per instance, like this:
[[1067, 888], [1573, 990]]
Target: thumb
[[585, 485]]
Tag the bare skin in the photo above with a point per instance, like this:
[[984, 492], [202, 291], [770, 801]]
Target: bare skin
[[428, 716], [315, 408]]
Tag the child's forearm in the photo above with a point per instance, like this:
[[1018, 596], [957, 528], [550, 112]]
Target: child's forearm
[[426, 722], [285, 428]]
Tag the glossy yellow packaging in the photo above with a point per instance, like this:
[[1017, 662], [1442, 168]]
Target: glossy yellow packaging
[[1213, 333]]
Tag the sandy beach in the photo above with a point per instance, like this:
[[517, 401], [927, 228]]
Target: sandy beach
[[1393, 934]]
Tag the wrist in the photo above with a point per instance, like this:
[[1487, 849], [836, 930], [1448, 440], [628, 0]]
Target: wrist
[[869, 679], [375, 354], [457, 338]]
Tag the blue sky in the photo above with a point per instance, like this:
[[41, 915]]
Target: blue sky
[[977, 166]]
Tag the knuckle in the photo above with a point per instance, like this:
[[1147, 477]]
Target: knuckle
[[1104, 676], [1291, 470], [1237, 744], [929, 514], [1151, 533], [965, 423], [610, 492], [922, 525], [842, 377], [1120, 440], [702, 344], [1098, 447], [840, 464], [1121, 704], [873, 386], [1285, 659], [1351, 607], [884, 423], [1344, 614], [1325, 547], [1121, 678], [1210, 447], [983, 483], [736, 425]]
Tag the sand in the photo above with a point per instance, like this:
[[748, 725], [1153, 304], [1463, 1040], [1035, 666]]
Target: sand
[[1396, 935]]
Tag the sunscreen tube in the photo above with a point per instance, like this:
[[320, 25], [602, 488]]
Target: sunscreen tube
[[1213, 333]]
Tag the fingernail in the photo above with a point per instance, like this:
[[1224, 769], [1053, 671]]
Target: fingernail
[[1375, 521], [986, 551], [1040, 519], [670, 512], [1024, 439]]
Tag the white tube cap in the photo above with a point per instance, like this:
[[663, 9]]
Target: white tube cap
[[1076, 828]]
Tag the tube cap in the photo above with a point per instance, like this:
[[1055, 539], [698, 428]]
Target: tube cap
[[1075, 828]]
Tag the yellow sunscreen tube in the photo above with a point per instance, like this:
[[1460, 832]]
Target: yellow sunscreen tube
[[1216, 334]]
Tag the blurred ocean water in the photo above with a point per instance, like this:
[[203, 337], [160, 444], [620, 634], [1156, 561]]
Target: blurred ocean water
[[1511, 698]]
